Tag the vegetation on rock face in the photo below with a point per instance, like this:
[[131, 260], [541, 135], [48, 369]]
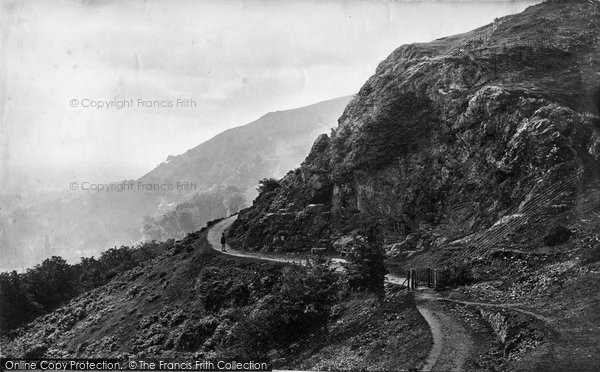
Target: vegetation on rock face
[[449, 138], [267, 185]]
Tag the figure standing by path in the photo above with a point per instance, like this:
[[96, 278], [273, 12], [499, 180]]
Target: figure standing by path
[[223, 242]]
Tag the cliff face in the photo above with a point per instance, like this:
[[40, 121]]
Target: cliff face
[[452, 137]]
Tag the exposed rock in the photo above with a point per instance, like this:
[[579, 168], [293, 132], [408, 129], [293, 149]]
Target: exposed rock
[[411, 243], [344, 243], [153, 297], [518, 333], [449, 140]]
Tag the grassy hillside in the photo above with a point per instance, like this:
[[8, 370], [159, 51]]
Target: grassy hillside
[[192, 302]]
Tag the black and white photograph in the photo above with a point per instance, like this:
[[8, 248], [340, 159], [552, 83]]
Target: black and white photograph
[[300, 185]]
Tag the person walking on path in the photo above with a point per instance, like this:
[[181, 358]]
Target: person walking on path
[[223, 242]]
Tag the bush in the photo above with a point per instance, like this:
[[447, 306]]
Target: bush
[[195, 333], [92, 275], [52, 283], [300, 303], [267, 185], [223, 287], [557, 235], [365, 266], [459, 275]]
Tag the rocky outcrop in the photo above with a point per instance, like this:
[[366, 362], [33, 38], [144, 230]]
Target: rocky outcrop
[[447, 138], [516, 332], [294, 216]]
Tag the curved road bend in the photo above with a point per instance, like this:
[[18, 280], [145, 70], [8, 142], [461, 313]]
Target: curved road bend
[[452, 343]]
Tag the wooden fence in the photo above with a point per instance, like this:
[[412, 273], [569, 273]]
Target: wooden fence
[[428, 277]]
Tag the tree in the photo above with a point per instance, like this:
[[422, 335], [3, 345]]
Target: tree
[[91, 275], [365, 265], [300, 302], [52, 282], [116, 260], [16, 306]]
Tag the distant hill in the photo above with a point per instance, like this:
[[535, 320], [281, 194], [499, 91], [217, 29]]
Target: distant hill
[[267, 147], [221, 168]]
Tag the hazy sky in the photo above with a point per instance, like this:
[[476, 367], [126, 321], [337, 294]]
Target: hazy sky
[[236, 59]]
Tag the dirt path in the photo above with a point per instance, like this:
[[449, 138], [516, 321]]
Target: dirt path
[[452, 343], [214, 238]]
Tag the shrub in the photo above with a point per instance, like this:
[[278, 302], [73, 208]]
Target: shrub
[[195, 333], [92, 275], [223, 287], [267, 185], [591, 250], [116, 260], [459, 275], [365, 266], [300, 303], [52, 283], [557, 235]]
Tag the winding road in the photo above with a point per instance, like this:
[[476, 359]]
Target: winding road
[[452, 342]]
